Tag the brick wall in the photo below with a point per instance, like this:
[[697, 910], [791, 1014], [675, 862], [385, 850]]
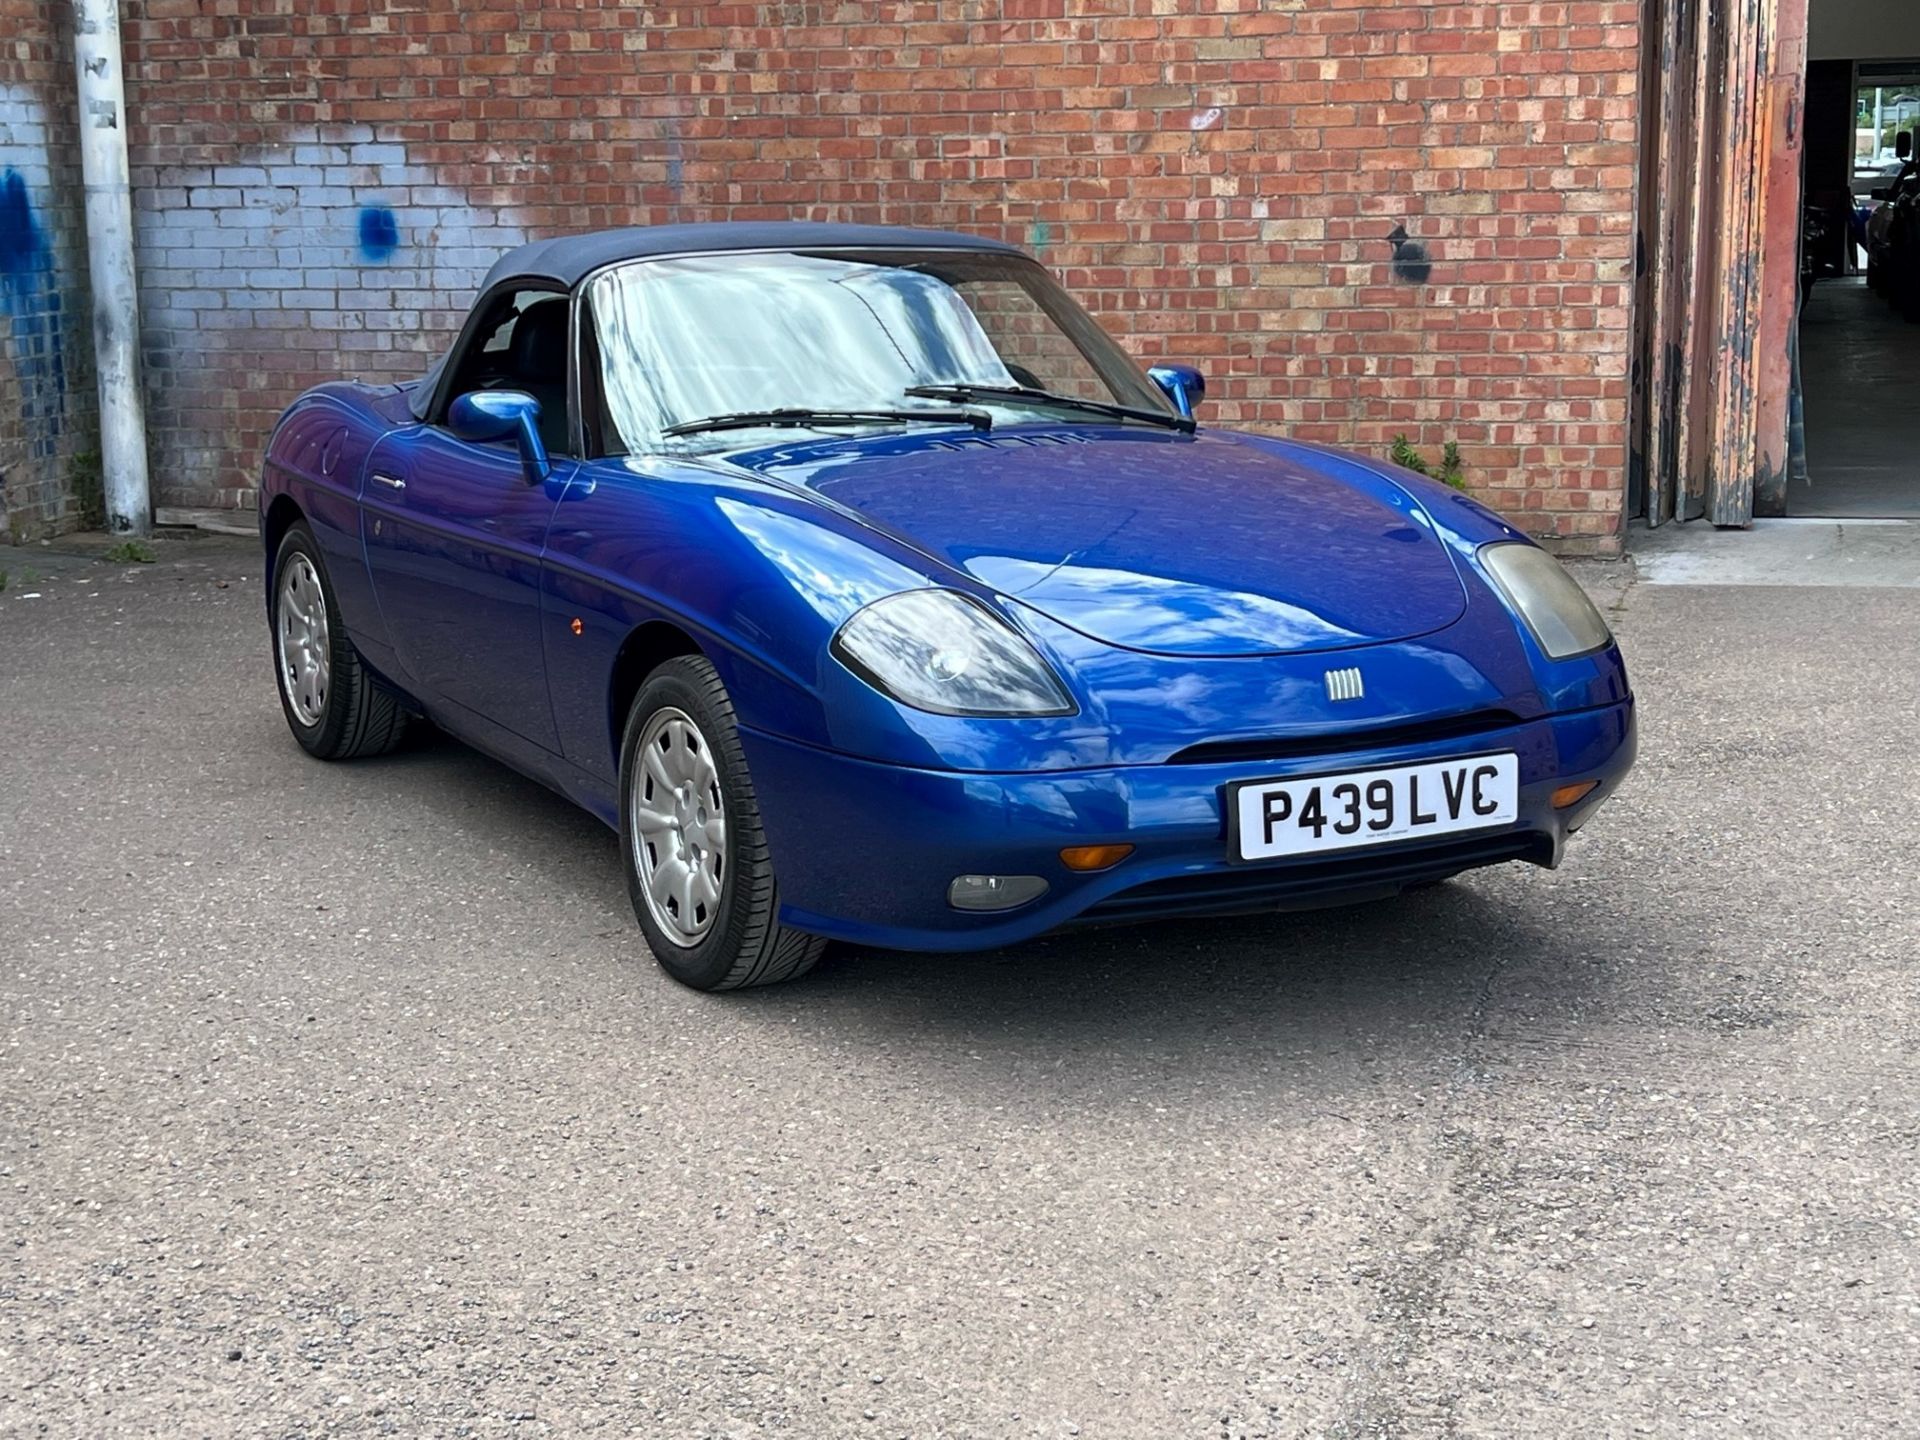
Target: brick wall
[[319, 187], [49, 478]]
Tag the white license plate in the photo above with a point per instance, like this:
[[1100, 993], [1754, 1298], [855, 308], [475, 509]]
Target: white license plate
[[1318, 813]]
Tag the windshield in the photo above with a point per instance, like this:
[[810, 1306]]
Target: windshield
[[690, 339]]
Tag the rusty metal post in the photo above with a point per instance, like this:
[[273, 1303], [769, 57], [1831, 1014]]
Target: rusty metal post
[[1693, 315], [1667, 121]]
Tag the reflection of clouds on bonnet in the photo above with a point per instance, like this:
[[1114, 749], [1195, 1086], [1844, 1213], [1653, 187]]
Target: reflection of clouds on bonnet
[[1199, 701], [835, 575], [1158, 612], [1136, 539]]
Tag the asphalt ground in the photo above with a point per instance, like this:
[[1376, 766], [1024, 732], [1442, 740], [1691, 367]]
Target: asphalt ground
[[345, 1100]]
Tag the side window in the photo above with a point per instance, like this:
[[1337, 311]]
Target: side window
[[1033, 348], [521, 344]]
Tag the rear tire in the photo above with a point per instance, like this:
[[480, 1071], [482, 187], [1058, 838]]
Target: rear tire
[[703, 892], [333, 705]]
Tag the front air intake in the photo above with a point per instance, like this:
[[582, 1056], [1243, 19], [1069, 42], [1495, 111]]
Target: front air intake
[[1340, 742]]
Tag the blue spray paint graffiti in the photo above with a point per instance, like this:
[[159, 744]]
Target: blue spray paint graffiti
[[31, 299], [379, 233]]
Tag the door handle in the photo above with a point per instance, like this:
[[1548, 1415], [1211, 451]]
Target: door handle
[[392, 482]]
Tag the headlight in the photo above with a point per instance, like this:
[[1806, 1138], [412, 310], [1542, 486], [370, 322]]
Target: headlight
[[943, 651], [1555, 609]]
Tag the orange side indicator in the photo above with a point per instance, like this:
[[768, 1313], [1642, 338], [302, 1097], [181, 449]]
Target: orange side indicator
[[578, 625], [1094, 857], [1573, 794]]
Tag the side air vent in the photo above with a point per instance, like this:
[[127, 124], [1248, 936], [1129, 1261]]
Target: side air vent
[[1452, 727]]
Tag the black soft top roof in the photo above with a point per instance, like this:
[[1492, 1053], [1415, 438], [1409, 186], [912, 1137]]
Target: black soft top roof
[[568, 259]]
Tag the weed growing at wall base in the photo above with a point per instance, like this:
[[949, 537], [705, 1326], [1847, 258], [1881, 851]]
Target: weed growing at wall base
[[129, 552], [1452, 471]]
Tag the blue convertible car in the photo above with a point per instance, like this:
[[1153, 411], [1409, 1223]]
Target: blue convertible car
[[871, 591]]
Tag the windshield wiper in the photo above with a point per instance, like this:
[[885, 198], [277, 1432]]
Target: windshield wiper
[[800, 418], [965, 393]]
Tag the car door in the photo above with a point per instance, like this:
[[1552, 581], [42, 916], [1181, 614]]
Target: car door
[[454, 530]]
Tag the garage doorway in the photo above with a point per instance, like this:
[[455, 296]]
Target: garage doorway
[[1860, 341], [1748, 402]]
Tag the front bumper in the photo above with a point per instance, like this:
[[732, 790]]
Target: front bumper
[[865, 851]]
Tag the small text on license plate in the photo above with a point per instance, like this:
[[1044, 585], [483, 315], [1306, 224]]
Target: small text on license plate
[[1318, 813]]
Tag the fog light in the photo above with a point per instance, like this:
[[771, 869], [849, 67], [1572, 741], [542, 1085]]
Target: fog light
[[1573, 794], [994, 892], [1094, 857]]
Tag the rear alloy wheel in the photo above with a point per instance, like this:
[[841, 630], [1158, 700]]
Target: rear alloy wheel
[[698, 871], [335, 708]]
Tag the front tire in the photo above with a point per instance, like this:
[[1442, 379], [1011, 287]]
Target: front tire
[[698, 871], [335, 708]]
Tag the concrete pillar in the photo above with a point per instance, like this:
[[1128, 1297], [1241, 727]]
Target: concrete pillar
[[116, 307]]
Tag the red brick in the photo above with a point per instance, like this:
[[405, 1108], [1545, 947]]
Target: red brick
[[1502, 135]]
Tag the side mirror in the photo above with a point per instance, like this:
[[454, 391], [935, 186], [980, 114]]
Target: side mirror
[[483, 416], [1903, 144], [1185, 386]]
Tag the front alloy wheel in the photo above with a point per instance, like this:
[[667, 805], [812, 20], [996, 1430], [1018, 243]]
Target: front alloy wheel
[[334, 706], [304, 645], [698, 871], [679, 826]]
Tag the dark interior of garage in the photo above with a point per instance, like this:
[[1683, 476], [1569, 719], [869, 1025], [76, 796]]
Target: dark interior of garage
[[1857, 450]]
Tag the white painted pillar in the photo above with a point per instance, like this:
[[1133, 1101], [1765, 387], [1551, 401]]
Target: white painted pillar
[[116, 307]]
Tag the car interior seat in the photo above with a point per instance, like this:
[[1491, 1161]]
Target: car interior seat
[[537, 361]]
